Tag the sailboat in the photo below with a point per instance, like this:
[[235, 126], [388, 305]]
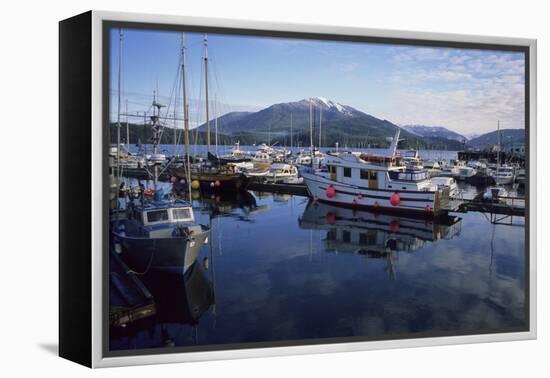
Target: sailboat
[[157, 233], [212, 174]]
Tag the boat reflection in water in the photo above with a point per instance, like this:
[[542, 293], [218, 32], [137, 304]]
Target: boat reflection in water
[[375, 235], [180, 302]]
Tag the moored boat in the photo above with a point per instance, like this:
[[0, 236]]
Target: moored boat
[[375, 181], [158, 234]]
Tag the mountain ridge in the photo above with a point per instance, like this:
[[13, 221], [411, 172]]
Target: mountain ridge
[[338, 123]]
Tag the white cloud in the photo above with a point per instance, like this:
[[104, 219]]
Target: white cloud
[[466, 91]]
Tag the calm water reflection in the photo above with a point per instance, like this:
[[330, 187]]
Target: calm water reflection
[[279, 269]]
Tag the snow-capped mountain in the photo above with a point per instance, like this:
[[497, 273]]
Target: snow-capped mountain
[[339, 123]]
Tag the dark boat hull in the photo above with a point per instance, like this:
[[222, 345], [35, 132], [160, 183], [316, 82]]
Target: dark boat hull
[[221, 183], [174, 254]]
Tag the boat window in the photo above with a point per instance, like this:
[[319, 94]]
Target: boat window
[[347, 172], [181, 214], [157, 216], [364, 174], [346, 236]]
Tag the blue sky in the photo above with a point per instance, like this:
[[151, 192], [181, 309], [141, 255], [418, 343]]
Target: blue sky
[[464, 90]]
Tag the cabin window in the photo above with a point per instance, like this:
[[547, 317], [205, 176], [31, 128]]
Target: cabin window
[[347, 172], [181, 214], [346, 236], [368, 175], [157, 216], [368, 238]]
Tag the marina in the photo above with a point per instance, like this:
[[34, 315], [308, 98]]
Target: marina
[[302, 229]]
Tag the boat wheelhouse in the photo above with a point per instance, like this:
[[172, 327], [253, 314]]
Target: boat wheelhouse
[[376, 181]]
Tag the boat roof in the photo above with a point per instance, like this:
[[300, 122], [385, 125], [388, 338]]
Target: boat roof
[[154, 205]]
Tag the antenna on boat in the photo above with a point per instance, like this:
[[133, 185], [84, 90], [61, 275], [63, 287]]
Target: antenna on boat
[[394, 143]]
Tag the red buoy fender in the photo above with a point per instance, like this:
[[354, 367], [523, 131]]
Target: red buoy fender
[[395, 199], [330, 192]]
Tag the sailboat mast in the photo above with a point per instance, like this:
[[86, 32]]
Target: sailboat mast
[[320, 123], [118, 101], [216, 122], [127, 127], [291, 130], [206, 90], [498, 141], [311, 128], [185, 118]]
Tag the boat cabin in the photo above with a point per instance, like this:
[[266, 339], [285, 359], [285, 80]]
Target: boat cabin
[[150, 215]]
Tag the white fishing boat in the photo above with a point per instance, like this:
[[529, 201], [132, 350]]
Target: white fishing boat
[[412, 160], [432, 164], [446, 182], [281, 172], [448, 170], [375, 181], [504, 175], [307, 159], [464, 172]]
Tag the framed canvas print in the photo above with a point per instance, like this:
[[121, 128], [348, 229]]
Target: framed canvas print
[[233, 189]]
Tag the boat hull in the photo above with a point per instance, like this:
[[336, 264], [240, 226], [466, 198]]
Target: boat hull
[[504, 180], [175, 254], [221, 183], [414, 202]]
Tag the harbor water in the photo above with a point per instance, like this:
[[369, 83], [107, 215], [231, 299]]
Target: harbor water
[[278, 268]]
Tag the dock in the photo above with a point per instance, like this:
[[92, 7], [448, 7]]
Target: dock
[[294, 189], [130, 300], [513, 206]]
